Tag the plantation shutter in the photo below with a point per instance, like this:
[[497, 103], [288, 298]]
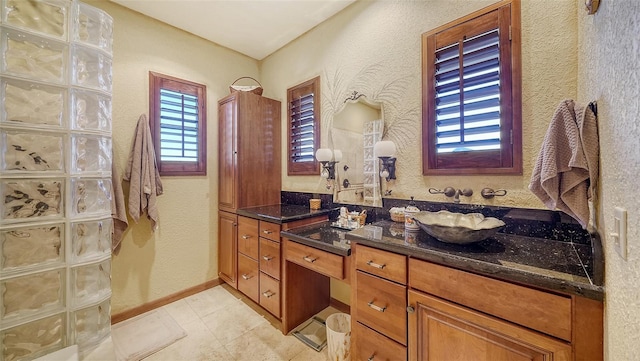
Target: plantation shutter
[[304, 127], [468, 96], [178, 126]]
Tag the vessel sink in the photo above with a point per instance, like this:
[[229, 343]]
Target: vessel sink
[[457, 228]]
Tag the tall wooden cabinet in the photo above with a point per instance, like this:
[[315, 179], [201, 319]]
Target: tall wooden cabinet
[[249, 167]]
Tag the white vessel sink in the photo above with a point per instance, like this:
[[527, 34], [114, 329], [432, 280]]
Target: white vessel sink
[[457, 228]]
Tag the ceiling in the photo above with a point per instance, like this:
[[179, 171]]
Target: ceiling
[[255, 28]]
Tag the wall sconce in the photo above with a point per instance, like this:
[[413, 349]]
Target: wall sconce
[[385, 150], [328, 159]]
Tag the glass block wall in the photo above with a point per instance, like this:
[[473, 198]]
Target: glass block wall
[[55, 176]]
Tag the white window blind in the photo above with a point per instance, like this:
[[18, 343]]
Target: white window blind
[[178, 126], [303, 130], [467, 87]]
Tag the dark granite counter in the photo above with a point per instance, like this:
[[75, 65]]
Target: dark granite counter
[[321, 236], [281, 213], [537, 262]]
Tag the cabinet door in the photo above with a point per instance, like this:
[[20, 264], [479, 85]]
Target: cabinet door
[[270, 257], [270, 294], [227, 153], [227, 248], [440, 330], [248, 242]]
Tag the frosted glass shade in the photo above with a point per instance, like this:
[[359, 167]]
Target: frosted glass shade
[[337, 155], [324, 155], [384, 148]]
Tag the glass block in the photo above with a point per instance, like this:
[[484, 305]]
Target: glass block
[[31, 152], [91, 196], [90, 153], [27, 247], [31, 199], [91, 324], [368, 140], [29, 103], [46, 17], [368, 153], [33, 339], [34, 293], [90, 68], [91, 239], [91, 282], [93, 26], [90, 111], [33, 57]]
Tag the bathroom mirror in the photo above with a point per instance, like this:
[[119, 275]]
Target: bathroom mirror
[[356, 127]]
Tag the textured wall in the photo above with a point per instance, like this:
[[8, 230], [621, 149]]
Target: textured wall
[[375, 47], [609, 68], [183, 252]]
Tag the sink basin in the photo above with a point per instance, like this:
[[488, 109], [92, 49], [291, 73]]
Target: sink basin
[[457, 228]]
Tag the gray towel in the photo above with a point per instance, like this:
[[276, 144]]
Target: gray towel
[[118, 210], [567, 168], [142, 173]]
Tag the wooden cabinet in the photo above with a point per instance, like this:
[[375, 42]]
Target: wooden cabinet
[[227, 248], [248, 277], [248, 240], [379, 302], [441, 330], [459, 315], [248, 151]]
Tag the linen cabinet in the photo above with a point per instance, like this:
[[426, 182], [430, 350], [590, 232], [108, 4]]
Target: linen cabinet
[[249, 167]]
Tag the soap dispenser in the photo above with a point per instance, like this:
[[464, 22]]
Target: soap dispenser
[[409, 212]]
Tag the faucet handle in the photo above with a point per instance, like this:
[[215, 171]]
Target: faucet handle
[[467, 192], [489, 193]]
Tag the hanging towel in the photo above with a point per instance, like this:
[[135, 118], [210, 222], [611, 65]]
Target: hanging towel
[[567, 168], [118, 211], [142, 173]]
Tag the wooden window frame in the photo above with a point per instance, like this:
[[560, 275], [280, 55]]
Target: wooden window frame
[[159, 81], [509, 161], [309, 167]]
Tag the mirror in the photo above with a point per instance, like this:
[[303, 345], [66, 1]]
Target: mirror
[[356, 127]]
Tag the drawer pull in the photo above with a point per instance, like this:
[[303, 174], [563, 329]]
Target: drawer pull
[[377, 308], [371, 357], [268, 294], [373, 264], [267, 258], [246, 237], [246, 277], [266, 231], [309, 259]]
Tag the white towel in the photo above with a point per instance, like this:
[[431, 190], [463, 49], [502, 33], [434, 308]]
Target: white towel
[[567, 168], [142, 173]]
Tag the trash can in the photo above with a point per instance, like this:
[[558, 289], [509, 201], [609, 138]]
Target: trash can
[[339, 336]]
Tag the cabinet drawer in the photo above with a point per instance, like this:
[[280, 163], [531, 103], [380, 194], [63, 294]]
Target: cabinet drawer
[[382, 305], [373, 346], [270, 257], [382, 263], [270, 230], [248, 277], [248, 237], [270, 294], [539, 310], [320, 261]]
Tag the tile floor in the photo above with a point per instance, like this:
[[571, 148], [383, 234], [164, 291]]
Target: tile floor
[[222, 325]]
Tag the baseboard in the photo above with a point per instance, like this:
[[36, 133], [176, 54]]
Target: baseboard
[[119, 317], [342, 307]]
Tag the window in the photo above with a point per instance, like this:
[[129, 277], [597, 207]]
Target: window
[[471, 117], [178, 119], [304, 127]]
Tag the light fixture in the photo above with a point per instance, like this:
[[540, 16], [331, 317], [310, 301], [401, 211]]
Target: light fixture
[[328, 159], [385, 150]]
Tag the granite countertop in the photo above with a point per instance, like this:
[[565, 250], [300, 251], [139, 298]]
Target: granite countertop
[[538, 262], [321, 236], [281, 213]]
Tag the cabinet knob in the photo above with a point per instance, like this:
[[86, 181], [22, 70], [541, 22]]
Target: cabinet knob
[[410, 309], [246, 236]]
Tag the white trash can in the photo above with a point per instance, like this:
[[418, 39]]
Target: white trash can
[[339, 336]]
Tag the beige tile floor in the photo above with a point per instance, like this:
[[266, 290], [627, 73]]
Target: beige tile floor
[[222, 325]]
